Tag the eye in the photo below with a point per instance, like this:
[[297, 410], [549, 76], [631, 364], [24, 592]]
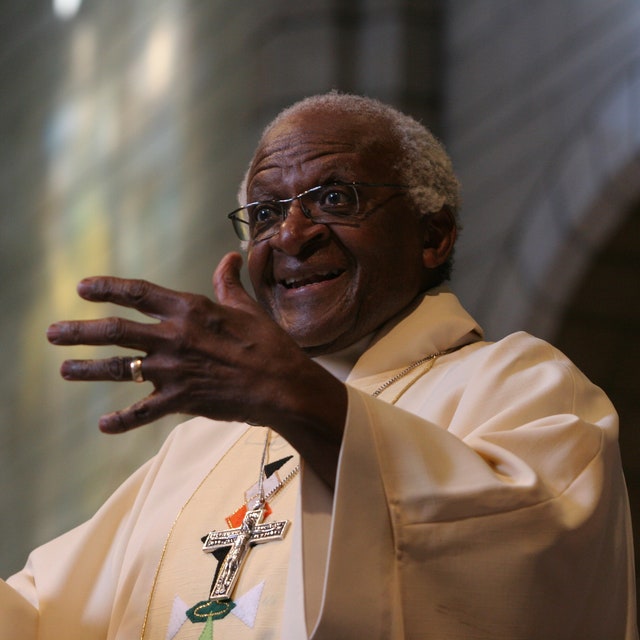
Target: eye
[[265, 214], [337, 198]]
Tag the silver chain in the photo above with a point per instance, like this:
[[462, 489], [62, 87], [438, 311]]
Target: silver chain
[[283, 482]]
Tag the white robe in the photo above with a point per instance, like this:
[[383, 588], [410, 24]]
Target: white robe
[[489, 502]]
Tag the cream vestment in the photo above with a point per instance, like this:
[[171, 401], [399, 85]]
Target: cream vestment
[[487, 502]]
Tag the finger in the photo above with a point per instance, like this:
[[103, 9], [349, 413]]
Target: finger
[[228, 286], [114, 369], [146, 297], [151, 408], [106, 331]]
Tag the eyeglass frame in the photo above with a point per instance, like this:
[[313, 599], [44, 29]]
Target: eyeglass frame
[[235, 220]]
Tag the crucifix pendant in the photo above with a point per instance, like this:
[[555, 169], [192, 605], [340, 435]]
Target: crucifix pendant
[[252, 531]]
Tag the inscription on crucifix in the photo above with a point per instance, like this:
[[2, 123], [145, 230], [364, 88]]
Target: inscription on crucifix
[[252, 531]]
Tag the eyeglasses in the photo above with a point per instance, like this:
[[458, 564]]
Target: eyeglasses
[[334, 203]]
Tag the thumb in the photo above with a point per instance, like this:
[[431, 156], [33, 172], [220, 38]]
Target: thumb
[[228, 286]]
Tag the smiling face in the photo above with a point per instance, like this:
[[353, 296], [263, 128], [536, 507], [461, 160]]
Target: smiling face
[[330, 285]]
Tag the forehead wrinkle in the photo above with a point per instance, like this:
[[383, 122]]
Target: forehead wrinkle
[[275, 155], [284, 151], [294, 161]]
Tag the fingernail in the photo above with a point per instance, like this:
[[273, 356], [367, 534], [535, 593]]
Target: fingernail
[[53, 333], [112, 424], [68, 369], [84, 286]]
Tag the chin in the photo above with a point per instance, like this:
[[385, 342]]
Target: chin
[[325, 344]]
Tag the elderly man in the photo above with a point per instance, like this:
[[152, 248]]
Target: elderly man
[[407, 479]]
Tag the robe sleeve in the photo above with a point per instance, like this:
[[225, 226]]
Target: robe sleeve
[[18, 617], [94, 581], [491, 506], [67, 588]]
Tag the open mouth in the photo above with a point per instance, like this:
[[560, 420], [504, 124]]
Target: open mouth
[[296, 283]]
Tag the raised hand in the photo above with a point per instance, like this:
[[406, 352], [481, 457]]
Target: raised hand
[[227, 360], [203, 358]]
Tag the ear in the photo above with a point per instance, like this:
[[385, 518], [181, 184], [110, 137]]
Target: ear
[[440, 236]]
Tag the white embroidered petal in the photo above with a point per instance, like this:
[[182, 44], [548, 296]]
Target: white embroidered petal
[[178, 617], [246, 608]]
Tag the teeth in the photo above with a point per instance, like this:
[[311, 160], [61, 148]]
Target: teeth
[[294, 283]]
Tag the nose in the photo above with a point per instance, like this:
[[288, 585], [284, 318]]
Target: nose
[[298, 232]]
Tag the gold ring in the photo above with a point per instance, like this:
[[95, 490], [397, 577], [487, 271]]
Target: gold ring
[[136, 370]]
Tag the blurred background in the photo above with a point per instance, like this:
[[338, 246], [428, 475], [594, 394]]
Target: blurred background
[[126, 125]]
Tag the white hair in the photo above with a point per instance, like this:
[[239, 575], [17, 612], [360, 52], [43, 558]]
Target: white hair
[[424, 164], [422, 161]]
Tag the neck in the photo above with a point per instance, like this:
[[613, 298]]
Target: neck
[[340, 363]]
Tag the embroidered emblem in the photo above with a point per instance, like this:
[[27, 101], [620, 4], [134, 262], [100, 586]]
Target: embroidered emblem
[[207, 632], [210, 610], [246, 608], [235, 520], [178, 617], [230, 548], [270, 484], [272, 467], [206, 611]]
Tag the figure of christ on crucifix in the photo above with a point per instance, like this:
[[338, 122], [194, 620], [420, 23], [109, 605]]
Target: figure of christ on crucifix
[[252, 531]]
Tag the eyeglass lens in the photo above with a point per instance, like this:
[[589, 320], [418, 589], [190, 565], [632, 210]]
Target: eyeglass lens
[[325, 203]]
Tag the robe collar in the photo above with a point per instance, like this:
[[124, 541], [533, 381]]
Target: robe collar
[[437, 322]]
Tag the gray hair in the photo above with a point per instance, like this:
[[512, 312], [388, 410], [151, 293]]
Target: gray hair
[[422, 162]]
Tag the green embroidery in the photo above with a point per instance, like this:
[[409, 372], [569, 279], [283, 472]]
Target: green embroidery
[[209, 610], [207, 632]]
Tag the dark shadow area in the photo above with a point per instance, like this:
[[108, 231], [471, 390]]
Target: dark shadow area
[[599, 332]]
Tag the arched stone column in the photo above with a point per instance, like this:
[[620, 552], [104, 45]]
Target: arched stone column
[[578, 200]]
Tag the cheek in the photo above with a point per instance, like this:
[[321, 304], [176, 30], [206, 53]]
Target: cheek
[[395, 268], [392, 251]]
